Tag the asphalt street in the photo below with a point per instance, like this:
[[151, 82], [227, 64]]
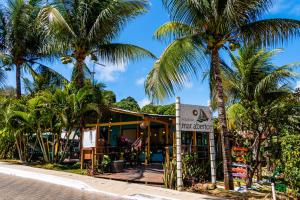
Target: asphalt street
[[16, 188]]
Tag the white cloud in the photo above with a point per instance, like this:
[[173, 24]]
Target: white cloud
[[106, 71], [70, 65], [188, 84], [144, 102], [140, 81], [109, 71], [298, 84]]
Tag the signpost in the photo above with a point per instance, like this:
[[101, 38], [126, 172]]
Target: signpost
[[178, 145], [239, 166], [88, 146], [194, 118]]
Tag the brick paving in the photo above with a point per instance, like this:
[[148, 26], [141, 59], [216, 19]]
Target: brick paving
[[17, 188], [117, 188]]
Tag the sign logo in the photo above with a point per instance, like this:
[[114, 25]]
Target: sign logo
[[195, 112], [202, 116]]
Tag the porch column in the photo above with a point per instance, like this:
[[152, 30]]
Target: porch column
[[212, 152], [194, 141], [167, 134], [174, 145], [147, 148], [178, 146]]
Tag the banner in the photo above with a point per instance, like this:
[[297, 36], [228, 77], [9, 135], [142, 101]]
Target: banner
[[89, 138]]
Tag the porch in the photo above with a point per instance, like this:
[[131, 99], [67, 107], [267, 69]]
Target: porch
[[150, 174], [141, 143]]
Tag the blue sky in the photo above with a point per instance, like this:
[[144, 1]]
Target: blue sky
[[127, 80]]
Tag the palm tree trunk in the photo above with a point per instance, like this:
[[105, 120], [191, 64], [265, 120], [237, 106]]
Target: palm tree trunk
[[18, 80], [19, 149], [79, 74], [255, 162], [66, 147], [226, 150], [40, 138]]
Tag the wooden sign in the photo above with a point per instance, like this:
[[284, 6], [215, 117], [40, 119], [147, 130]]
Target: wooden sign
[[239, 165], [195, 118]]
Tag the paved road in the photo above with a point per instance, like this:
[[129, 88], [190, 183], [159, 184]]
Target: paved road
[[16, 188]]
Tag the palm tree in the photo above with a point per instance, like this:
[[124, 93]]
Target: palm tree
[[82, 29], [261, 97], [44, 78], [13, 126], [198, 31], [21, 41]]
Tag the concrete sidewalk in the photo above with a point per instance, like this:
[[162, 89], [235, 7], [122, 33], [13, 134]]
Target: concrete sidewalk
[[108, 187]]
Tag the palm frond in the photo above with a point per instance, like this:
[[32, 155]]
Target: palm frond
[[173, 30], [241, 12], [180, 61], [113, 16], [279, 76], [117, 53], [55, 22], [189, 11], [270, 31]]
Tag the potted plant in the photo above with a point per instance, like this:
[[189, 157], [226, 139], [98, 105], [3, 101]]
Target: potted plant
[[105, 164], [118, 165]]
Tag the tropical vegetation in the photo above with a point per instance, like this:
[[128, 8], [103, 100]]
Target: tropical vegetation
[[78, 30], [261, 100], [21, 40], [258, 107], [198, 32]]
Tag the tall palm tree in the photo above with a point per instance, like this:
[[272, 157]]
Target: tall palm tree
[[261, 97], [21, 41], [198, 31], [82, 29]]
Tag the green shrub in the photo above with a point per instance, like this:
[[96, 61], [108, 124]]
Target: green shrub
[[291, 156], [195, 168], [170, 175], [77, 165], [7, 146], [105, 164], [49, 166]]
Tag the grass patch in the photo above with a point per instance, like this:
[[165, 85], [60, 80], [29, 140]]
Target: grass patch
[[11, 161], [71, 168], [261, 192]]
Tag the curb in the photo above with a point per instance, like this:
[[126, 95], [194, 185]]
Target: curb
[[55, 180], [76, 184]]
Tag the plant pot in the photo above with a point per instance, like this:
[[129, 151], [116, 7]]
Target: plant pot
[[117, 166]]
